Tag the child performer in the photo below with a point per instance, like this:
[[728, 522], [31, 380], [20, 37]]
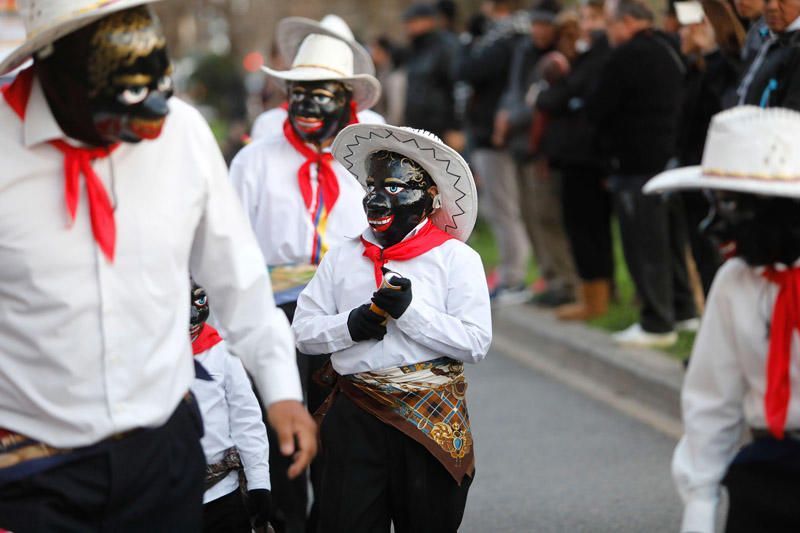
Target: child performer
[[235, 438], [396, 434], [744, 371]]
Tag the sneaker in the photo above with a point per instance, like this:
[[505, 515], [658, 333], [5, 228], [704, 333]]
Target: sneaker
[[553, 298], [635, 336], [691, 324], [504, 295]]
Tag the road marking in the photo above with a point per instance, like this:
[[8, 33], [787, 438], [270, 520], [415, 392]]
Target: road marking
[[662, 423]]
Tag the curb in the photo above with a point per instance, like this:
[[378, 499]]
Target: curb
[[647, 377]]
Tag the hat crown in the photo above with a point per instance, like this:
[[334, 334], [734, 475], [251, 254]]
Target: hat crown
[[327, 53], [337, 25], [750, 142], [40, 15]]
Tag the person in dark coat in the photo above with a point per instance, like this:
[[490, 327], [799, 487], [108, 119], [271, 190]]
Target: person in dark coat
[[571, 145], [773, 77], [430, 65], [636, 108]]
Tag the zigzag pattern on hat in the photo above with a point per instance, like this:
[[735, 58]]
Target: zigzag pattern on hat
[[446, 161]]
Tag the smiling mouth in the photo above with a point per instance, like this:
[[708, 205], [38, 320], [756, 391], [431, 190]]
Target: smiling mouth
[[380, 224], [308, 125], [147, 129]]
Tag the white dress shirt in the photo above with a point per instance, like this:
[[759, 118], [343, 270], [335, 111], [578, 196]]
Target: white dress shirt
[[449, 315], [264, 173], [231, 418], [270, 122], [90, 348], [725, 386]]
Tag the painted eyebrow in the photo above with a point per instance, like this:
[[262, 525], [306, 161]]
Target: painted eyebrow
[[133, 79], [324, 92]]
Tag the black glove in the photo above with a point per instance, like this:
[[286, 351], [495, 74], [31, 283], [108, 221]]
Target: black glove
[[259, 506], [394, 301], [363, 324]]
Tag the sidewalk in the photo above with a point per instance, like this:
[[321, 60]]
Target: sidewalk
[[645, 382]]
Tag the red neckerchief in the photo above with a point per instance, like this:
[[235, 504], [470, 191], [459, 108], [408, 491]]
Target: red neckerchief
[[76, 161], [326, 177], [207, 338], [426, 239], [785, 319]]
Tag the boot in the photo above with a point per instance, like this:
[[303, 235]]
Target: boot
[[593, 297]]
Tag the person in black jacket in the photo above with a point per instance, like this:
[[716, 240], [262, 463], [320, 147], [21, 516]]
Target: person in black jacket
[[636, 108], [570, 145], [430, 66], [484, 66], [773, 77]]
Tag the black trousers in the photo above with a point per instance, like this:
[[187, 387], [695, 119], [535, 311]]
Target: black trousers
[[654, 241], [374, 475], [586, 208], [706, 254], [226, 515], [763, 485], [151, 481], [290, 496]]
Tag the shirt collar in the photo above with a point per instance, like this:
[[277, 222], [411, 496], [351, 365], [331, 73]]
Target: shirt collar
[[369, 235], [794, 26], [40, 125]]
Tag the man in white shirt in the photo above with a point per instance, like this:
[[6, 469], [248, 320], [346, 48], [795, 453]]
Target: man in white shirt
[[745, 371], [105, 204], [235, 438], [397, 443], [300, 201]]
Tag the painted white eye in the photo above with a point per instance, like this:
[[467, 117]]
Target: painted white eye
[[133, 95], [297, 96], [394, 189], [202, 300], [165, 84], [322, 99]]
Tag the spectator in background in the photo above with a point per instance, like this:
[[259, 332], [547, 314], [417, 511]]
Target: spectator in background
[[571, 146], [752, 12], [773, 77], [636, 108], [709, 76], [483, 65], [539, 187], [430, 66], [388, 59]]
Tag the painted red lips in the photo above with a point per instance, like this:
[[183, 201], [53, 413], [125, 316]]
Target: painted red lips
[[381, 224], [147, 129], [308, 125]]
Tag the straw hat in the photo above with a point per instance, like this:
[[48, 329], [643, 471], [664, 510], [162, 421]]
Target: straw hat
[[293, 30], [46, 21], [748, 149], [451, 174], [324, 58]]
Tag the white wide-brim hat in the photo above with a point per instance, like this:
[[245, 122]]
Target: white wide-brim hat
[[748, 149], [292, 31], [324, 58], [48, 20], [451, 174]]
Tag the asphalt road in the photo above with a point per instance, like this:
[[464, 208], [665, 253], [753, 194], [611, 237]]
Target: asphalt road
[[550, 459]]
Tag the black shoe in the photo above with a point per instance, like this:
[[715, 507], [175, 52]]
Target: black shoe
[[552, 298]]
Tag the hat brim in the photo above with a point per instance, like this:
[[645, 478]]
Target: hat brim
[[293, 30], [366, 88], [451, 174], [64, 27], [693, 178]]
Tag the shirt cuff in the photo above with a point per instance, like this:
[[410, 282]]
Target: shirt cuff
[[258, 480], [699, 515]]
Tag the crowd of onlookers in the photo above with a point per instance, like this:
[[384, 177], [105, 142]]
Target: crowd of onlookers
[[565, 112]]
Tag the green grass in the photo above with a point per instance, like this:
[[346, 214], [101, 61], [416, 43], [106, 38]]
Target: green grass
[[621, 313]]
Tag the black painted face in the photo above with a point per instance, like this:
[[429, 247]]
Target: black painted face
[[110, 82], [318, 110], [762, 230], [199, 308], [400, 196]]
